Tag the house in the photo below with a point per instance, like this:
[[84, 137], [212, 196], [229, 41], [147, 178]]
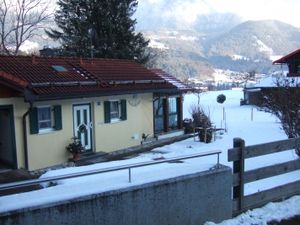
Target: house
[[253, 95], [108, 104]]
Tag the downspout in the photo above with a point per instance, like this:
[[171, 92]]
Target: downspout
[[25, 135]]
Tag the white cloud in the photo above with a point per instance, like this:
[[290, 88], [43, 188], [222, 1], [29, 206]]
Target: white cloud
[[154, 1], [29, 46], [188, 10], [284, 10]]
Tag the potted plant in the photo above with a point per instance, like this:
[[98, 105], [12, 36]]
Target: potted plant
[[75, 148]]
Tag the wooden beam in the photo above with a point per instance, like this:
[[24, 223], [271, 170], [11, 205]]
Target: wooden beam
[[264, 149], [275, 194], [265, 172]]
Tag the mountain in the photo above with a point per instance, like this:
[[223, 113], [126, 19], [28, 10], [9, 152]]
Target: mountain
[[252, 38], [247, 46], [216, 23]]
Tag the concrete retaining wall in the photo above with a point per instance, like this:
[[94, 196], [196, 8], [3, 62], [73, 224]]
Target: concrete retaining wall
[[186, 200]]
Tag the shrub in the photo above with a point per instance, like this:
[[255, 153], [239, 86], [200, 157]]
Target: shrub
[[188, 126], [284, 102], [201, 119], [221, 98]]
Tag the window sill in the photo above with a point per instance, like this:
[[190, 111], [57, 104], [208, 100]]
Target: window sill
[[46, 131], [115, 120]]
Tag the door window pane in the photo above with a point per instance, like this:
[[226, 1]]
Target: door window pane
[[173, 115], [158, 115], [158, 107], [159, 124], [172, 105], [173, 121]]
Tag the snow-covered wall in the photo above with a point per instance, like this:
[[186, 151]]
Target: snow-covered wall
[[189, 200]]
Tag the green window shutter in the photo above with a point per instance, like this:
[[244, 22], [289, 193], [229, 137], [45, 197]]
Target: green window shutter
[[33, 121], [106, 112], [123, 110], [57, 117]]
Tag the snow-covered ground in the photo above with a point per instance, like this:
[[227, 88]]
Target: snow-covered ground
[[270, 212], [254, 128]]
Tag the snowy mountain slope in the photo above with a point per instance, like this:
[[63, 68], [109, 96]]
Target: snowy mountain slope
[[249, 46]]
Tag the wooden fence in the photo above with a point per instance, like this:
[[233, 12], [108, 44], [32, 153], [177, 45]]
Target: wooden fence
[[240, 152]]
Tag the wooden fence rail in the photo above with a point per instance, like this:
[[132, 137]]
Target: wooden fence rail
[[239, 153]]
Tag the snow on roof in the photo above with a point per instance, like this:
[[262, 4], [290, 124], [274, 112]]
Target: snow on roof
[[170, 79], [267, 82], [274, 80]]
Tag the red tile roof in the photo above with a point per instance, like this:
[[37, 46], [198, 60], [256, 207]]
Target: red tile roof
[[82, 76], [13, 80], [170, 79], [287, 58]]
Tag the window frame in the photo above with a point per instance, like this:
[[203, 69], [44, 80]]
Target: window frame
[[173, 112], [158, 108], [56, 119], [51, 119], [118, 112], [122, 111]]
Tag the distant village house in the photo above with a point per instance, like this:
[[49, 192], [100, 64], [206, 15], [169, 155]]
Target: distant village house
[[253, 95]]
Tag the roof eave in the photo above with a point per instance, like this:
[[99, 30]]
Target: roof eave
[[284, 59], [12, 86], [59, 96]]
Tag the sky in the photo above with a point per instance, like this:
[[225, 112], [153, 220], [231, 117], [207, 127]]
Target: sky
[[188, 10]]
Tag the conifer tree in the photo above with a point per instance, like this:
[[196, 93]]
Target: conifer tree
[[99, 28]]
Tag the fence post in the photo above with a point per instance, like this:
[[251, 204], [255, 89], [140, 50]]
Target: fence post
[[239, 167]]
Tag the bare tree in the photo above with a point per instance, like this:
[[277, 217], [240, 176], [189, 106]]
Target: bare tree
[[20, 20], [284, 102]]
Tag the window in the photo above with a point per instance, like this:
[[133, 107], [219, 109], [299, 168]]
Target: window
[[298, 69], [59, 68], [158, 115], [173, 116], [115, 111], [167, 114], [45, 118]]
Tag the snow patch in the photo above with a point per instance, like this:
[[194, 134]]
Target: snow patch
[[157, 44], [272, 211], [275, 57], [262, 47], [188, 38], [239, 57]]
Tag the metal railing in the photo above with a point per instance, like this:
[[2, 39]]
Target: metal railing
[[25, 183]]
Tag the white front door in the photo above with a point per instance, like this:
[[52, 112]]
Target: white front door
[[83, 125]]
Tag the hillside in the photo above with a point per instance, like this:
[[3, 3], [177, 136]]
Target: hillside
[[256, 38], [248, 46]]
